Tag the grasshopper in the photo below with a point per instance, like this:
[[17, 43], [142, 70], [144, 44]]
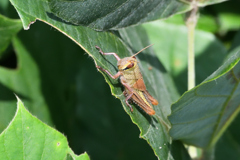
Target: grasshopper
[[132, 80]]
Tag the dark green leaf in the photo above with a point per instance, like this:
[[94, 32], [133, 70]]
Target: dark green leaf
[[28, 138], [228, 146], [202, 114], [235, 43], [160, 85], [109, 14]]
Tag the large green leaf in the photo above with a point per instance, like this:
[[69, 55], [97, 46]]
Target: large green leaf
[[26, 137], [109, 14], [228, 146], [160, 84], [67, 82], [172, 52], [202, 114], [8, 29], [155, 128]]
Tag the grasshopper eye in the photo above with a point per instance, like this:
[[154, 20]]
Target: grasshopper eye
[[129, 66]]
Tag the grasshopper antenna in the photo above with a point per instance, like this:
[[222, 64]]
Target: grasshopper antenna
[[142, 50]]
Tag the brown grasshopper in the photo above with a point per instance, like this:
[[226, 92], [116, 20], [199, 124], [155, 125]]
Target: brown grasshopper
[[131, 78]]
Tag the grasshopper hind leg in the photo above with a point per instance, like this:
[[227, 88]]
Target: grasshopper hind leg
[[128, 98]]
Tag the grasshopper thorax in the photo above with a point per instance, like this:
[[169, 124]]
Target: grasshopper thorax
[[127, 63]]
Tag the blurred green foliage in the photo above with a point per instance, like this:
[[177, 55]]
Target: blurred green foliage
[[64, 89]]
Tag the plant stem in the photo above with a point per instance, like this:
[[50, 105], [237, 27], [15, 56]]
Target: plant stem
[[191, 21], [191, 57]]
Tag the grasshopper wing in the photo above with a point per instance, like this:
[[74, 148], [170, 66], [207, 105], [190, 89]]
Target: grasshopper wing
[[141, 100]]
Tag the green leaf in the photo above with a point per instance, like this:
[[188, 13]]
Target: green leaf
[[8, 29], [202, 114], [155, 128], [160, 85], [108, 14], [72, 156], [172, 52], [24, 81], [228, 145], [28, 138], [66, 84]]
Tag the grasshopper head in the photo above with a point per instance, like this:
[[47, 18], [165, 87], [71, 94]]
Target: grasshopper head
[[127, 63]]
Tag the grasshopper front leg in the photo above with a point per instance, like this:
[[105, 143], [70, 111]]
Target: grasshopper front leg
[[123, 81], [106, 71], [111, 53]]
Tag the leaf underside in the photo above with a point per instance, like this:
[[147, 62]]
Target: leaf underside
[[202, 114]]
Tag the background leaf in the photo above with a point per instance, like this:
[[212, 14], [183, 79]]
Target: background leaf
[[28, 138], [108, 14], [209, 52], [228, 17], [8, 29], [202, 114], [3, 5], [206, 22], [25, 82], [209, 2]]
